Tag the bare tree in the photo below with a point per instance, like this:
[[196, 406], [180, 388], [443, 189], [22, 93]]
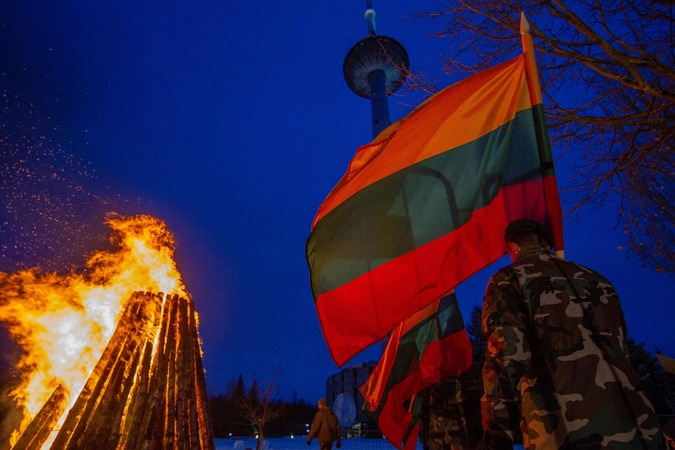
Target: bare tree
[[259, 406], [607, 71], [651, 190]]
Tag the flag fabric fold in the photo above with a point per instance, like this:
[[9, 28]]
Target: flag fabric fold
[[428, 347], [424, 206]]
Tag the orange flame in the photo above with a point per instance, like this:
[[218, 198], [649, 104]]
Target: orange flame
[[62, 323]]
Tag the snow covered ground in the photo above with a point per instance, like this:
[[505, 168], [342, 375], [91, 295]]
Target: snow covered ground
[[299, 443]]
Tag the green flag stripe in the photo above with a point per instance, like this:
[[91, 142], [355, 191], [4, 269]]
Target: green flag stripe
[[419, 204], [445, 322]]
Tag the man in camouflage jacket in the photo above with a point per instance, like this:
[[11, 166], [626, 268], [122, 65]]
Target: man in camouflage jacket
[[556, 363], [454, 409]]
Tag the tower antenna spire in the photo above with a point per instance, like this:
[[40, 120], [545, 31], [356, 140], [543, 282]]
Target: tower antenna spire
[[370, 17], [374, 68]]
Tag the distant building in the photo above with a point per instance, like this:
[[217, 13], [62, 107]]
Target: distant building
[[348, 381]]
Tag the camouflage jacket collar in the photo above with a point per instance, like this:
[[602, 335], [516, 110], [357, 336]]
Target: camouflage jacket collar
[[530, 250]]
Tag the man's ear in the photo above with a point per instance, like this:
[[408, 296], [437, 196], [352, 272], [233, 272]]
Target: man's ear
[[513, 249]]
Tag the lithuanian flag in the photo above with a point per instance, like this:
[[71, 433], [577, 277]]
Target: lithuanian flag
[[424, 206], [426, 348]]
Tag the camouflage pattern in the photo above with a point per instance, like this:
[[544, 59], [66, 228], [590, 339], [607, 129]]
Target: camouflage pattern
[[454, 414], [556, 364]]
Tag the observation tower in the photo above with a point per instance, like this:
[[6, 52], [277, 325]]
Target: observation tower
[[375, 68]]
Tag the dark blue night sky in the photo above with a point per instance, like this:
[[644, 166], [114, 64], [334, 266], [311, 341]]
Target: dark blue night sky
[[230, 121]]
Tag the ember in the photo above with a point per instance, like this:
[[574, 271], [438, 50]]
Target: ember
[[147, 389]]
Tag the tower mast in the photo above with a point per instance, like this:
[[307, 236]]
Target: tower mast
[[375, 68]]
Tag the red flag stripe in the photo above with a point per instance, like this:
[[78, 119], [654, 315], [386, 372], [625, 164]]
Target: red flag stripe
[[435, 365], [416, 279]]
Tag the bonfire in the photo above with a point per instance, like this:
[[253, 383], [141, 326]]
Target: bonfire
[[110, 355]]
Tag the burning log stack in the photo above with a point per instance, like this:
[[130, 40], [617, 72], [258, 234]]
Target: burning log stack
[[147, 391]]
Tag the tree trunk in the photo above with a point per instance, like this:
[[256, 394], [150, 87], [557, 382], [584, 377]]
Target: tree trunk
[[261, 437]]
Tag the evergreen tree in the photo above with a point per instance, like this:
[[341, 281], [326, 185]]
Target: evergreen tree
[[477, 338], [226, 414], [658, 385], [253, 396], [239, 390]]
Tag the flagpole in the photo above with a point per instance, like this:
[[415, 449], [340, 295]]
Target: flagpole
[[545, 155]]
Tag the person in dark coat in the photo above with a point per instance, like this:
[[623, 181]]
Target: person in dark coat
[[325, 427]]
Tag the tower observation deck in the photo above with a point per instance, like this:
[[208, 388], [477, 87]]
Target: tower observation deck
[[374, 68]]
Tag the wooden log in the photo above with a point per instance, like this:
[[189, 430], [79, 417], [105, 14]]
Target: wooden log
[[157, 430], [151, 413], [195, 428], [134, 416], [122, 401], [77, 418], [170, 420], [39, 429], [129, 429], [147, 390], [134, 421], [204, 417], [104, 429], [190, 364], [106, 414], [182, 378], [190, 426]]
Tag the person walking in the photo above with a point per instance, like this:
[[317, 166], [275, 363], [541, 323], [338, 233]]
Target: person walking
[[556, 362], [325, 427]]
